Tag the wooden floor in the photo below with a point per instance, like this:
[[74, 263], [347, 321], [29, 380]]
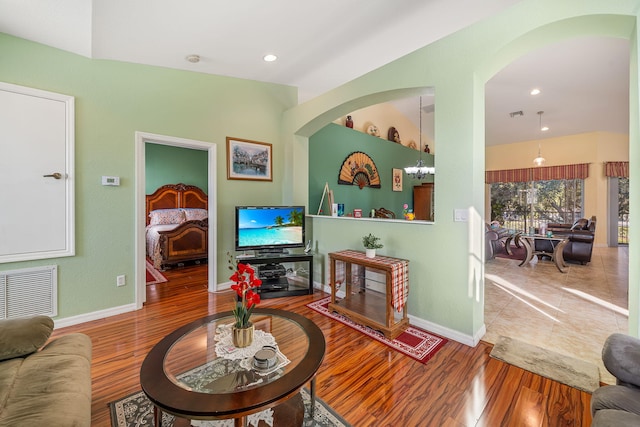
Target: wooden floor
[[365, 381]]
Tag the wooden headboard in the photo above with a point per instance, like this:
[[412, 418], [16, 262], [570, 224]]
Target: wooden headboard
[[172, 196]]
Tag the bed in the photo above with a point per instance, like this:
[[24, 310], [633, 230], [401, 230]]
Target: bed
[[177, 225]]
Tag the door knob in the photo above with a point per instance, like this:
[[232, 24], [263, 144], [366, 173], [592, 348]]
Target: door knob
[[56, 175]]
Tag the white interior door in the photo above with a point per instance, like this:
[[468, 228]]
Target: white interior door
[[36, 169]]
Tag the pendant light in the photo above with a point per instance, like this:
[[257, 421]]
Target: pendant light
[[539, 161], [420, 171]]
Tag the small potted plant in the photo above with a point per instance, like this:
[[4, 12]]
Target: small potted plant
[[371, 243]]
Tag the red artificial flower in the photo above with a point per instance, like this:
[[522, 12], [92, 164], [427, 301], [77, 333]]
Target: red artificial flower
[[252, 298], [245, 282]]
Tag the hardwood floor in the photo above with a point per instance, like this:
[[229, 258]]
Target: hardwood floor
[[365, 381]]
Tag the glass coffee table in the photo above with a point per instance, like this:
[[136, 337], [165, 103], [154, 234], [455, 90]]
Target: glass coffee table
[[193, 374]]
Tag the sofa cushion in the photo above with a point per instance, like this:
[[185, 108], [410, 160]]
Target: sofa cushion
[[22, 336], [618, 397], [51, 387], [615, 418], [8, 372]]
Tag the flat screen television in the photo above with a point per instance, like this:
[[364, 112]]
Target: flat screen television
[[269, 229]]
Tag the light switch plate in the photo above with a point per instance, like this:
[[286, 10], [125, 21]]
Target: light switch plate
[[461, 215]]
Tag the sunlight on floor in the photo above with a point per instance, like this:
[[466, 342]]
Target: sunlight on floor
[[596, 300], [514, 290], [570, 313]]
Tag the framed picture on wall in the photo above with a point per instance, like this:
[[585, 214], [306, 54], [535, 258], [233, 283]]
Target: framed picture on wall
[[397, 180], [250, 160]]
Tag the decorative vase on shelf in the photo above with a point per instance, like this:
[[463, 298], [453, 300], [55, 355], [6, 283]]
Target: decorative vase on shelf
[[349, 122], [370, 253], [243, 337]]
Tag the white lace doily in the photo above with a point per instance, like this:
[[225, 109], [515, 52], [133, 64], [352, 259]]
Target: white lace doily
[[226, 349]]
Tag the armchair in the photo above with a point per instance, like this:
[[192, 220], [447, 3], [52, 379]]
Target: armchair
[[619, 405], [491, 240]]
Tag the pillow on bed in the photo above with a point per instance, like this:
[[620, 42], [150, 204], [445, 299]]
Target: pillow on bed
[[166, 216], [195, 214]]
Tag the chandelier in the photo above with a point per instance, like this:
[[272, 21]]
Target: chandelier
[[420, 171], [539, 161]]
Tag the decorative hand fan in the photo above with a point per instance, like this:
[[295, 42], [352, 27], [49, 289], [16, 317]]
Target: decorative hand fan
[[359, 169]]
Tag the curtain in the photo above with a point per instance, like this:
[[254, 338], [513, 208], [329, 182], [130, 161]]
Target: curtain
[[616, 169], [546, 173]]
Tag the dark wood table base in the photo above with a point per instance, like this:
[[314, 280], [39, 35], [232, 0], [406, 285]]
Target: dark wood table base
[[287, 414]]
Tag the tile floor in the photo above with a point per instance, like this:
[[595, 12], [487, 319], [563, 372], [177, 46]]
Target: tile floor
[[570, 313]]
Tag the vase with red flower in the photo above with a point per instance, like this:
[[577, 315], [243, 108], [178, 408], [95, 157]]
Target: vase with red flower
[[245, 287]]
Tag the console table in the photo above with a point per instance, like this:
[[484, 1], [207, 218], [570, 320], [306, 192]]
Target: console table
[[278, 273], [384, 311]]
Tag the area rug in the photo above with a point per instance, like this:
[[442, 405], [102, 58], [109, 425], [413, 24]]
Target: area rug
[[154, 276], [413, 342], [555, 366], [516, 253], [136, 410]]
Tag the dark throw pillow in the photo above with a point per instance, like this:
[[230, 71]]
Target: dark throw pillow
[[23, 336], [580, 224]]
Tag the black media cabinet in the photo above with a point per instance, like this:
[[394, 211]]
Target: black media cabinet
[[282, 275]]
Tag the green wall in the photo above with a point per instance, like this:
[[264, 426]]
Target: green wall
[[165, 164], [328, 149], [113, 101], [446, 257]]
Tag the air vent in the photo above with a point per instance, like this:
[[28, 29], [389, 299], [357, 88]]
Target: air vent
[[28, 292]]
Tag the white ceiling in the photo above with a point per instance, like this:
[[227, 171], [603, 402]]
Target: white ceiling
[[322, 45]]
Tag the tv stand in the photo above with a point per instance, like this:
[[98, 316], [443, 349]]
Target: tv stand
[[282, 274], [270, 252]]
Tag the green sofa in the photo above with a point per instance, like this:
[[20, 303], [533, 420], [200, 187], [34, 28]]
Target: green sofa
[[43, 384]]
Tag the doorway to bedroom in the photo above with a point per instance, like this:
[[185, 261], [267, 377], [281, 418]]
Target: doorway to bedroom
[[186, 167]]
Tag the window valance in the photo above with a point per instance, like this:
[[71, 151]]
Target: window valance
[[546, 173], [616, 169]]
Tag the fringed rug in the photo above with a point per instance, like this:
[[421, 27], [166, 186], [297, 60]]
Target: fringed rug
[[154, 276], [414, 342], [555, 366], [136, 410]]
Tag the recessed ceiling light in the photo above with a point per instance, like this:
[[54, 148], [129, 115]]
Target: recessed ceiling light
[[193, 58], [544, 128], [535, 92], [270, 58]]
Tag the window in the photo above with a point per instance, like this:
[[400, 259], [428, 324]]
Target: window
[[623, 211], [521, 205]]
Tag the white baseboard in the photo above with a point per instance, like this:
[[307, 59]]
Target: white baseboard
[[451, 334], [96, 315]]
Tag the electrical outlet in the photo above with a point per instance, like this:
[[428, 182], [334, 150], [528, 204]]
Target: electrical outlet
[[121, 281]]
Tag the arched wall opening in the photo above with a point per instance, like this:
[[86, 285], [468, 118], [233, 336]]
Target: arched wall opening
[[446, 258]]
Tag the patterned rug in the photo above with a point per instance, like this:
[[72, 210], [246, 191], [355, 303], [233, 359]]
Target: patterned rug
[[154, 276], [414, 342], [136, 410]]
